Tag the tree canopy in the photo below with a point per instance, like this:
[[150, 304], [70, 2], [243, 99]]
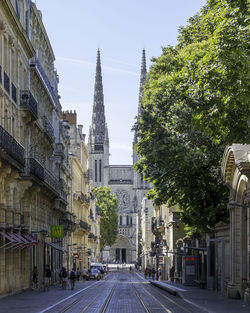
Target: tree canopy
[[107, 204], [195, 103]]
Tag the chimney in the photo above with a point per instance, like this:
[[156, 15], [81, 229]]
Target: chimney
[[70, 117]]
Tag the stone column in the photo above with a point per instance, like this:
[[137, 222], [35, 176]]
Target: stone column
[[247, 290]]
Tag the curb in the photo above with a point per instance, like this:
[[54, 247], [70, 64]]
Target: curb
[[166, 288]]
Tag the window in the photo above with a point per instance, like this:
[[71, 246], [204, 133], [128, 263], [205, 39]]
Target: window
[[100, 170], [95, 170], [127, 220], [120, 220]]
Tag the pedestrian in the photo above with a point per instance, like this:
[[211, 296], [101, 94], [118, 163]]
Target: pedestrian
[[153, 273], [130, 268], [72, 277], [149, 272], [84, 273], [171, 273], [160, 274], [146, 272], [47, 277], [78, 273], [63, 277], [35, 277]]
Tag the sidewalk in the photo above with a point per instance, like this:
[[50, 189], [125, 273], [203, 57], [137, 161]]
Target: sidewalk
[[206, 300], [34, 301]]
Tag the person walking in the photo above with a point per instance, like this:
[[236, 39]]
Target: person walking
[[47, 278], [146, 272], [149, 272], [63, 277], [84, 273], [153, 273], [72, 277], [35, 277], [171, 273], [78, 274]]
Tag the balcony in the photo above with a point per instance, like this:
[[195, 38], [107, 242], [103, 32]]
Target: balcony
[[29, 103], [52, 182], [59, 151], [33, 169], [68, 221], [92, 236], [48, 128], [37, 65], [84, 225], [81, 196], [11, 147]]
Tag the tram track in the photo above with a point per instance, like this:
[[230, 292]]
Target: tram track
[[80, 298], [106, 296], [159, 292]]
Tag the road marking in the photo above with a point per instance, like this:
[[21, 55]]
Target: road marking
[[52, 306], [142, 277], [169, 285]]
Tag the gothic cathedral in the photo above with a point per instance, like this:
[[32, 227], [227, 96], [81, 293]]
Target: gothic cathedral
[[124, 182]]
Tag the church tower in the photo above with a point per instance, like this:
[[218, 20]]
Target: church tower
[[138, 179], [98, 142]]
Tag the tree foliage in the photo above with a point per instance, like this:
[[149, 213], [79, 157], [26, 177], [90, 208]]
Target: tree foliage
[[107, 205], [195, 103]]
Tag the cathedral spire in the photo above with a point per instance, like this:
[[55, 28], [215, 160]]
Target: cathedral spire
[[142, 82], [142, 79], [98, 115]]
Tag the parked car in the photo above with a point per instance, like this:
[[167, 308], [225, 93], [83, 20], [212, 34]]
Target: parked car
[[94, 274]]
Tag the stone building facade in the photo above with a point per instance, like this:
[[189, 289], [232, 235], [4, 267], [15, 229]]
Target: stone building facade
[[85, 245], [35, 176], [147, 236], [124, 182], [236, 174]]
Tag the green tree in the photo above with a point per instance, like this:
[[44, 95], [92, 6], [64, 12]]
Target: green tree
[[107, 205], [195, 103]]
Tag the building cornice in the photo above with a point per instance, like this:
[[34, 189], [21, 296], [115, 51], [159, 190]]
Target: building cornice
[[17, 27]]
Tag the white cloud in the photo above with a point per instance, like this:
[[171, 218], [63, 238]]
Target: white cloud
[[91, 64]]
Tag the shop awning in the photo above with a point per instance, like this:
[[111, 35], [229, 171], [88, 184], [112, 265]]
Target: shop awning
[[17, 240], [32, 240], [55, 246], [12, 241], [24, 241]]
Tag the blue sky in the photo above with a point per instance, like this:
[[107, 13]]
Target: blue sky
[[121, 29]]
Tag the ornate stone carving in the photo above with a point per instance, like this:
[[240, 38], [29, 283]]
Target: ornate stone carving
[[123, 199]]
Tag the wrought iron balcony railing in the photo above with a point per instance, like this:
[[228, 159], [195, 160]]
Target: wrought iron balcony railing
[[84, 225], [52, 181], [6, 82], [28, 102], [48, 128], [10, 146], [45, 79], [63, 194], [33, 168]]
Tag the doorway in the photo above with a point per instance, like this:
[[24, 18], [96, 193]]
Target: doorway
[[124, 259]]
